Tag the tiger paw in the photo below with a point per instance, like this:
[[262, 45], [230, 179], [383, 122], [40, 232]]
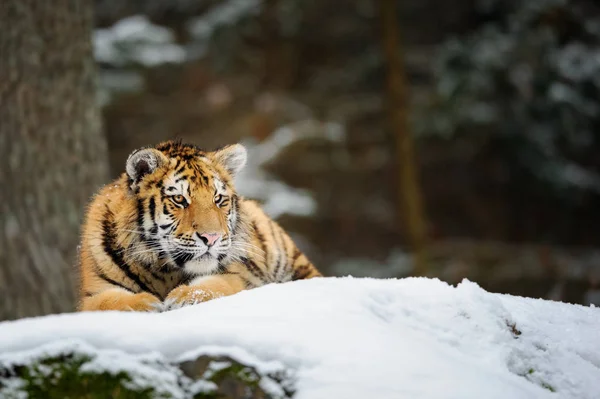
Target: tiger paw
[[142, 302], [188, 295], [166, 305]]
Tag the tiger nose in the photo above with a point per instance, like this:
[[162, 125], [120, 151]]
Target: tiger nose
[[210, 238]]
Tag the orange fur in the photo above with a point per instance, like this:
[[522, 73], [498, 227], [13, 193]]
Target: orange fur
[[142, 240], [115, 299]]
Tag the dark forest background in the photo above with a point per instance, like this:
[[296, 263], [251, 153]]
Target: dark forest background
[[447, 139]]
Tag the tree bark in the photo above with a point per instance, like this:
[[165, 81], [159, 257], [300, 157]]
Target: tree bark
[[409, 194], [53, 155]]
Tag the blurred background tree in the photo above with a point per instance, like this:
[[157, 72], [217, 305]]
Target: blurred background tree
[[525, 85], [52, 152], [409, 190]]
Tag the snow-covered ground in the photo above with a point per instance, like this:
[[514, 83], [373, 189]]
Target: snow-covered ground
[[351, 338]]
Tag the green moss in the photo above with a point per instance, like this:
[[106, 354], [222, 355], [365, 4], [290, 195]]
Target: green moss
[[548, 387], [235, 380], [529, 376], [60, 377], [65, 377]]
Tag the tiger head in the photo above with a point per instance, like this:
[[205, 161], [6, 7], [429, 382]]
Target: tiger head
[[187, 207]]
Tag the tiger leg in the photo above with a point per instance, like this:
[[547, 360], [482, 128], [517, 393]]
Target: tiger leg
[[302, 269], [203, 289], [119, 299]]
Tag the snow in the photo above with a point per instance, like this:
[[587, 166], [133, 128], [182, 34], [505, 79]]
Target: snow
[[137, 40], [131, 43], [352, 338]]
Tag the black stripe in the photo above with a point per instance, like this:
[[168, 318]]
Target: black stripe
[[286, 264], [275, 241], [116, 253], [181, 178], [140, 218], [234, 211], [161, 255], [261, 238], [150, 269], [200, 172], [152, 211], [177, 164], [181, 258], [165, 226], [301, 272], [152, 206], [180, 169], [165, 210], [157, 275], [254, 269], [109, 280], [186, 279], [247, 283], [174, 227], [297, 254], [221, 269]]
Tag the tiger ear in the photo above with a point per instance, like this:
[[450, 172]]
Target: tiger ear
[[143, 162], [232, 158]]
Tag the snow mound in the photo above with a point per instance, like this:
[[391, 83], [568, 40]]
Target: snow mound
[[354, 338]]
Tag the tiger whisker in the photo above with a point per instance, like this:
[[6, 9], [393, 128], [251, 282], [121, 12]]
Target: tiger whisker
[[250, 250], [138, 250], [247, 244], [142, 252], [140, 247]]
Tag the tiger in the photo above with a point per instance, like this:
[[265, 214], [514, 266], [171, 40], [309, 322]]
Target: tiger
[[172, 231]]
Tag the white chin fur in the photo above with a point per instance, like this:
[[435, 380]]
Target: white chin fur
[[202, 266]]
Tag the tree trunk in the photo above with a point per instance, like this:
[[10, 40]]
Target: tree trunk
[[279, 53], [409, 194], [53, 155]]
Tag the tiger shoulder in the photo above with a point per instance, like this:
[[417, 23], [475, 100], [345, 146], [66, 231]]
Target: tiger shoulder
[[172, 231]]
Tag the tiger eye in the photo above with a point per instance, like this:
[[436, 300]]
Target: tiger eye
[[178, 199]]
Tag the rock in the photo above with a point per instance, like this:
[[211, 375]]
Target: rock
[[86, 375]]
